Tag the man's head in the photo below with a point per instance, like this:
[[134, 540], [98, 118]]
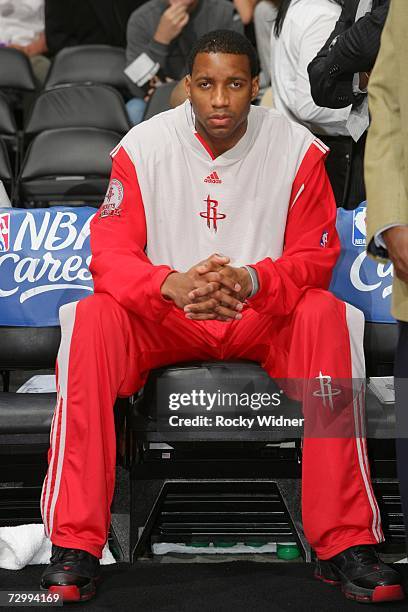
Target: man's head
[[222, 82]]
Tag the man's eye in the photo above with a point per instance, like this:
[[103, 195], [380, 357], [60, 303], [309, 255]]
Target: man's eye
[[204, 85], [236, 84]]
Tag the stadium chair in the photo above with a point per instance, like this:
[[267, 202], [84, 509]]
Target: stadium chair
[[9, 132], [6, 174], [25, 421], [160, 100], [89, 64], [16, 73], [81, 106], [70, 165]]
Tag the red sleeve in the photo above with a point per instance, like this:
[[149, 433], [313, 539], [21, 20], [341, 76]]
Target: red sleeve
[[119, 265], [311, 245]]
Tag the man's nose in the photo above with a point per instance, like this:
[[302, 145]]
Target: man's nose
[[220, 98]]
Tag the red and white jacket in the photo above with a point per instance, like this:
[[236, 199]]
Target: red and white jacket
[[267, 202]]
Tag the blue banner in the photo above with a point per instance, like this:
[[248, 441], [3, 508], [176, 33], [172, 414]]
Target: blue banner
[[44, 259], [45, 254], [357, 279]]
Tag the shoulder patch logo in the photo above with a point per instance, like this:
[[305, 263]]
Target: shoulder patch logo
[[324, 239], [113, 200]]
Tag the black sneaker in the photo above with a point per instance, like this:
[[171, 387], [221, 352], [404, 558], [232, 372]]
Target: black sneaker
[[72, 573], [362, 575]]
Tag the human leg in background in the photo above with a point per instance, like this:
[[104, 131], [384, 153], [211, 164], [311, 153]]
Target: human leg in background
[[136, 109], [264, 18]]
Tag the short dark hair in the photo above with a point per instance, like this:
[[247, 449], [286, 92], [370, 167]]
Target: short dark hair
[[225, 41]]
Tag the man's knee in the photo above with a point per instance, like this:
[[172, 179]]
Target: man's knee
[[319, 305], [99, 309]]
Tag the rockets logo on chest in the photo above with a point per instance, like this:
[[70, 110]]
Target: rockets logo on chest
[[211, 214]]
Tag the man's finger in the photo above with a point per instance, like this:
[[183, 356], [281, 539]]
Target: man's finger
[[203, 291], [176, 12], [212, 264], [199, 307], [229, 281], [210, 306], [208, 316], [401, 272], [223, 311]]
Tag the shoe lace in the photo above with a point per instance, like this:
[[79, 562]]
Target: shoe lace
[[366, 555], [66, 555]]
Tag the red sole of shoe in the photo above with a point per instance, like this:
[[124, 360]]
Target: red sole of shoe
[[388, 593], [380, 594], [71, 593]]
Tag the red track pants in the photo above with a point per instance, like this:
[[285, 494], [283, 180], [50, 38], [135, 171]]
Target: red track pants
[[108, 351]]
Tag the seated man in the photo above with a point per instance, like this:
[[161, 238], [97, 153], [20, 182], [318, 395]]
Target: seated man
[[215, 174]]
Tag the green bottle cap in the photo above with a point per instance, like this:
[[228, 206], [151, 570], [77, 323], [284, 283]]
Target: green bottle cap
[[287, 551], [223, 544]]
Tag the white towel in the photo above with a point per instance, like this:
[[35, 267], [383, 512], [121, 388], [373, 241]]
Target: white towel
[[28, 545]]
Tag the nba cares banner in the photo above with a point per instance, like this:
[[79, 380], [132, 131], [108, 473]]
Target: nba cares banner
[[45, 255], [44, 260], [357, 278]]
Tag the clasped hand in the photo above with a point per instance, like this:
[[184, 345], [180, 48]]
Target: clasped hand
[[209, 290]]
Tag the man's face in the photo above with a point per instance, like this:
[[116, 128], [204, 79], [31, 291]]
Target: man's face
[[221, 89]]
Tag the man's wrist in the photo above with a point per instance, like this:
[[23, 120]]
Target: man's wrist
[[167, 287], [161, 40], [254, 282]]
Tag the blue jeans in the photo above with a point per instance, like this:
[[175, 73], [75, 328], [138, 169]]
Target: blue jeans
[[135, 109]]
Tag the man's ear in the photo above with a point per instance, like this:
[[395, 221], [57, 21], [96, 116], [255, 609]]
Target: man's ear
[[255, 87], [187, 84]]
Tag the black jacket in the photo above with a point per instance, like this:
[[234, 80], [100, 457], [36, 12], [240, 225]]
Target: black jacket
[[87, 22], [355, 50]]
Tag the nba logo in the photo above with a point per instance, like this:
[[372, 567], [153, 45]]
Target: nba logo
[[4, 232], [359, 226]]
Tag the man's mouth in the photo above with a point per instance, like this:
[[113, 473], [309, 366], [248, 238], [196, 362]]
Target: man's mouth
[[220, 120]]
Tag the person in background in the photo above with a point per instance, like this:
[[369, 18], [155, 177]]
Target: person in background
[[338, 77], [166, 30], [87, 22], [245, 9], [386, 176], [265, 14], [22, 27], [301, 28], [258, 17]]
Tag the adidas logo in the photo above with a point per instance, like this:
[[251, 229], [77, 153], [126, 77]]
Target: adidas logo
[[213, 178]]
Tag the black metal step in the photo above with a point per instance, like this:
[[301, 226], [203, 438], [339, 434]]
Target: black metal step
[[19, 505], [235, 511], [389, 502]]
